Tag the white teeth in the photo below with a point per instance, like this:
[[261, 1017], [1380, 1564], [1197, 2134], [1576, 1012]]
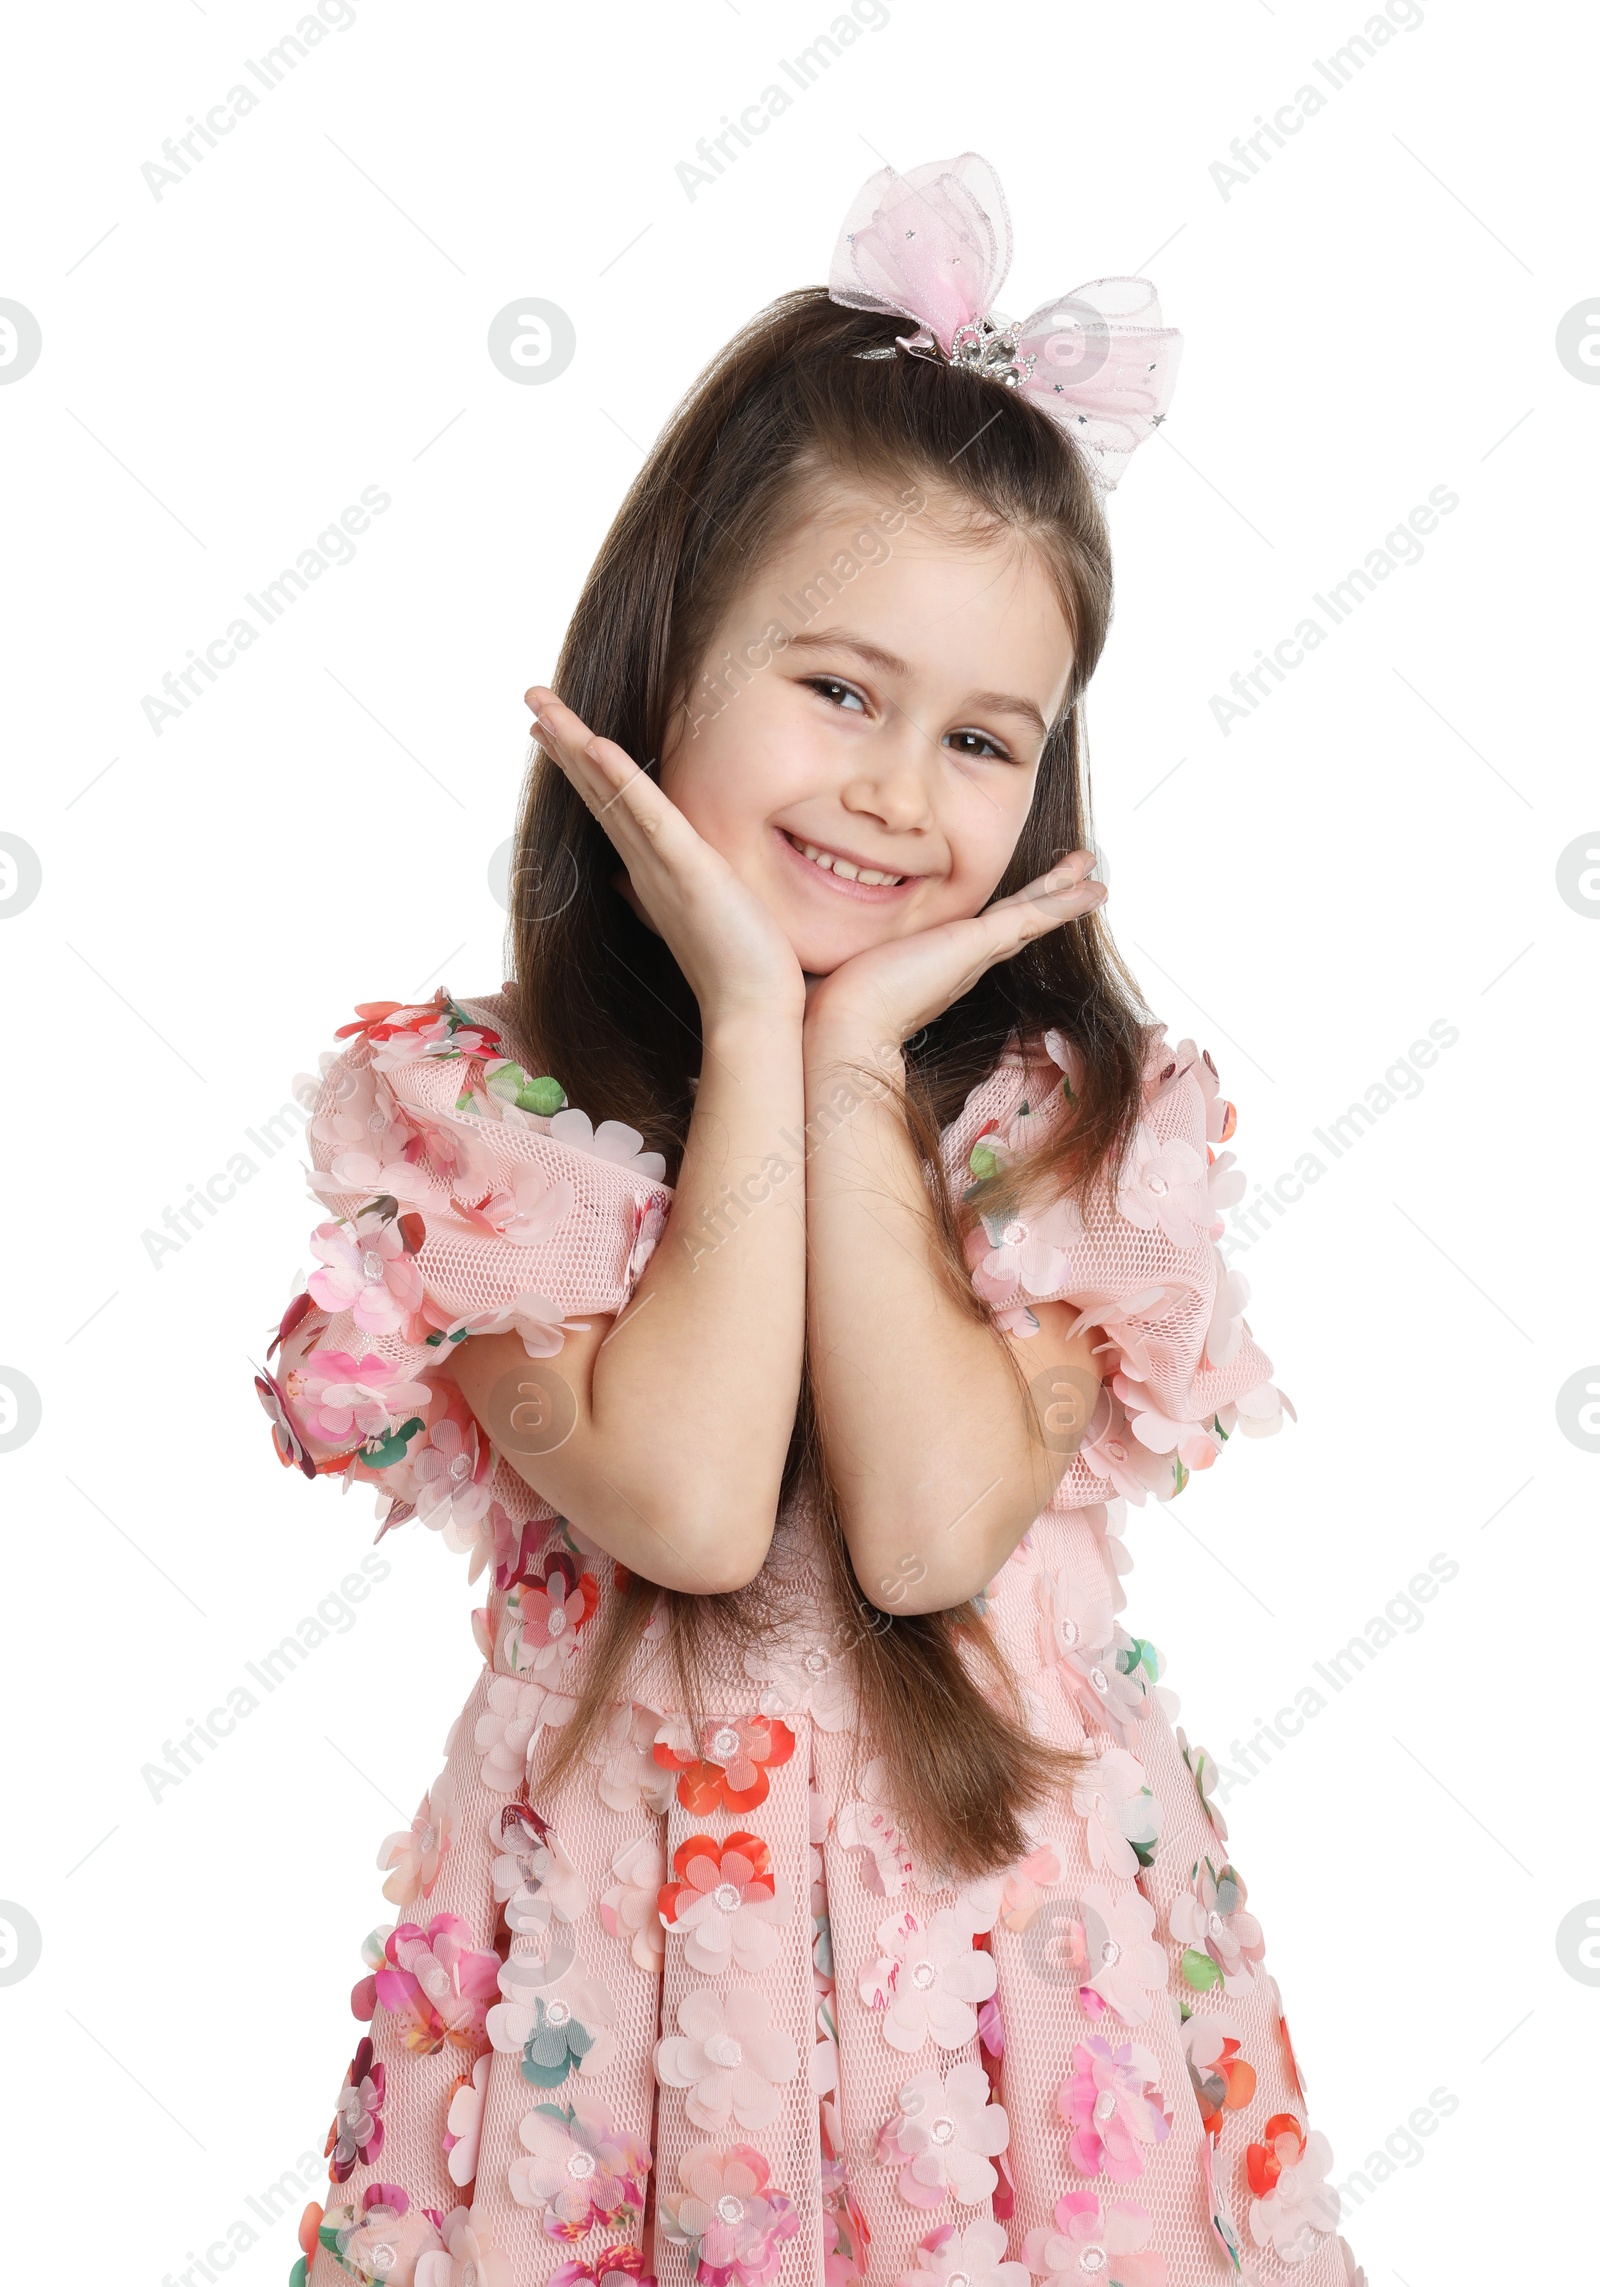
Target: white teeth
[[845, 869]]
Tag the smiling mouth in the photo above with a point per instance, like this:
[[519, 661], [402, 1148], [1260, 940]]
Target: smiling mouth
[[834, 865]]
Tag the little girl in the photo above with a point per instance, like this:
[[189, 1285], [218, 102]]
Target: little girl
[[815, 1889]]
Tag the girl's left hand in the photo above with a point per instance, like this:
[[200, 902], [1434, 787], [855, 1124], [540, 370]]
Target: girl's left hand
[[894, 989]]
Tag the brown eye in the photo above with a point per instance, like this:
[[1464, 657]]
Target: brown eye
[[998, 752], [829, 684]]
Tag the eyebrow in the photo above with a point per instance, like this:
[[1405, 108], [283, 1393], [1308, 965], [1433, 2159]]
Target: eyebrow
[[890, 663]]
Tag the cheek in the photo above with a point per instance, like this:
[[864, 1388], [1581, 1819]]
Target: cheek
[[759, 757], [984, 821], [725, 780]]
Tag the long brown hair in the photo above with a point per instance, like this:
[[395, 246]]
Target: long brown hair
[[602, 1003]]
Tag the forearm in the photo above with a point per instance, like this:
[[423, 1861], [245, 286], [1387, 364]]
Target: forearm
[[936, 1452], [694, 1391], [662, 1433]]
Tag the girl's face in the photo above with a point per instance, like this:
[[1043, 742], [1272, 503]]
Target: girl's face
[[896, 732]]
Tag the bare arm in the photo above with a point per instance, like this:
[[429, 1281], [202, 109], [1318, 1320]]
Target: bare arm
[[663, 1435], [941, 1463], [662, 1432]]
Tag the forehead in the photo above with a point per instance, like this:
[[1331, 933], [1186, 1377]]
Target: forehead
[[917, 561], [953, 599]]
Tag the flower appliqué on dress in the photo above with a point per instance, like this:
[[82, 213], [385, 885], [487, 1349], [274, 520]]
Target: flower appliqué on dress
[[1224, 2080], [357, 2130], [556, 2014], [729, 2216], [434, 1982], [629, 1908], [469, 2258], [463, 2122], [730, 2057], [381, 2237], [730, 1771], [976, 2257], [1111, 2102], [544, 1617], [414, 1856], [726, 1903], [1095, 2243], [945, 2137], [926, 1979], [1293, 2204], [1221, 1941], [579, 2170]]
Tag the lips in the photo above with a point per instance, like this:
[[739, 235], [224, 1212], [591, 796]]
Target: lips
[[844, 883]]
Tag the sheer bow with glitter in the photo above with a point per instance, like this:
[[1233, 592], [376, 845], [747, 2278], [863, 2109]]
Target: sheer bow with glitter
[[934, 245]]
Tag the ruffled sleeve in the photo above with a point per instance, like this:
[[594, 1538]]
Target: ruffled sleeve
[[458, 1194], [1182, 1369]]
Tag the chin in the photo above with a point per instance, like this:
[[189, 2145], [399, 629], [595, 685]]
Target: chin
[[820, 961]]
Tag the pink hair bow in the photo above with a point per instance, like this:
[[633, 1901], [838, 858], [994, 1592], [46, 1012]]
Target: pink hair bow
[[934, 245]]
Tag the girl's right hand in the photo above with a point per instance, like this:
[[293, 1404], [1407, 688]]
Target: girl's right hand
[[733, 953]]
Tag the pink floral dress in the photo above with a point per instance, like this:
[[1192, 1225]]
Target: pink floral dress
[[699, 2014]]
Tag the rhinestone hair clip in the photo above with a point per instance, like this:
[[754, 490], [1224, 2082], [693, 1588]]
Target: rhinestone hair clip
[[934, 246]]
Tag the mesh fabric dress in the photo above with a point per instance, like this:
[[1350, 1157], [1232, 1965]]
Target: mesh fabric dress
[[698, 2013]]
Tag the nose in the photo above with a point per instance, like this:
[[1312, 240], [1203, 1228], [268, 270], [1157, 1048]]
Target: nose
[[891, 781]]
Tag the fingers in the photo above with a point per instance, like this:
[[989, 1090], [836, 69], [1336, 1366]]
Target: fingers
[[1065, 892], [1074, 871], [571, 743], [624, 798]]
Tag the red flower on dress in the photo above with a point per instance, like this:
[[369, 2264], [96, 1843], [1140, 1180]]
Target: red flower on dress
[[1294, 2205], [1224, 2080], [724, 1902], [1265, 2163], [730, 1772], [436, 1025]]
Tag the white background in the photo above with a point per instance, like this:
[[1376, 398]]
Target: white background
[[224, 368]]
